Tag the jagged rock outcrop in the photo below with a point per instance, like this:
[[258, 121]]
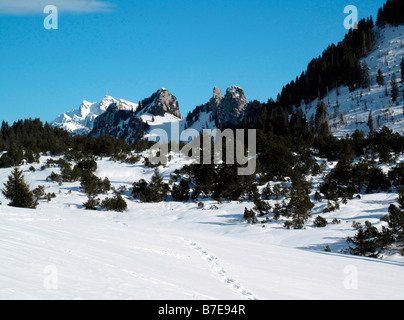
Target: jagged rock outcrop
[[130, 122], [225, 112], [215, 101], [121, 123], [232, 107], [160, 103]]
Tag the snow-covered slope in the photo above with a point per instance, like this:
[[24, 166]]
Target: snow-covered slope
[[349, 111], [205, 120], [167, 124], [81, 121], [175, 250]]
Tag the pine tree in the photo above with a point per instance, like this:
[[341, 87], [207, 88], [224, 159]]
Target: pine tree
[[159, 188], [380, 78], [155, 191], [261, 206], [92, 203], [370, 124], [18, 192], [320, 222], [402, 69], [395, 219], [181, 192], [300, 204], [394, 88], [321, 119], [117, 203], [400, 199], [366, 242], [92, 185], [249, 215], [366, 83]]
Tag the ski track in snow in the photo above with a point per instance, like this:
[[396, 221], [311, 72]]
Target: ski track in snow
[[217, 269]]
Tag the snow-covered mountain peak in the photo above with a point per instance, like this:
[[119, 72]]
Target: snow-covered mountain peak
[[234, 90], [96, 108], [81, 120]]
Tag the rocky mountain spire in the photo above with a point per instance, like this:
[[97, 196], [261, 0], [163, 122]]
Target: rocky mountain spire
[[215, 101], [217, 98], [232, 106], [159, 103]]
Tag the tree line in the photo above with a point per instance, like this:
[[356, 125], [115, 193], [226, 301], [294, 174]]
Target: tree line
[[25, 140], [338, 65], [391, 13]]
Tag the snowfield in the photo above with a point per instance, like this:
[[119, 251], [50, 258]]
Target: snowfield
[[172, 250], [179, 251]]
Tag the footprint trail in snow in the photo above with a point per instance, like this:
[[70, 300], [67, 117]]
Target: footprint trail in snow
[[218, 270]]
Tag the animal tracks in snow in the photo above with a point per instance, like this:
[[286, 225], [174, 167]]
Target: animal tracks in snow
[[218, 270], [162, 252]]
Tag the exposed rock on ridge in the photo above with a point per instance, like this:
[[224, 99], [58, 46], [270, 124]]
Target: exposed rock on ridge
[[120, 123], [159, 103]]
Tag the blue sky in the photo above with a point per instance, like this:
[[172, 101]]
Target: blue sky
[[134, 47]]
